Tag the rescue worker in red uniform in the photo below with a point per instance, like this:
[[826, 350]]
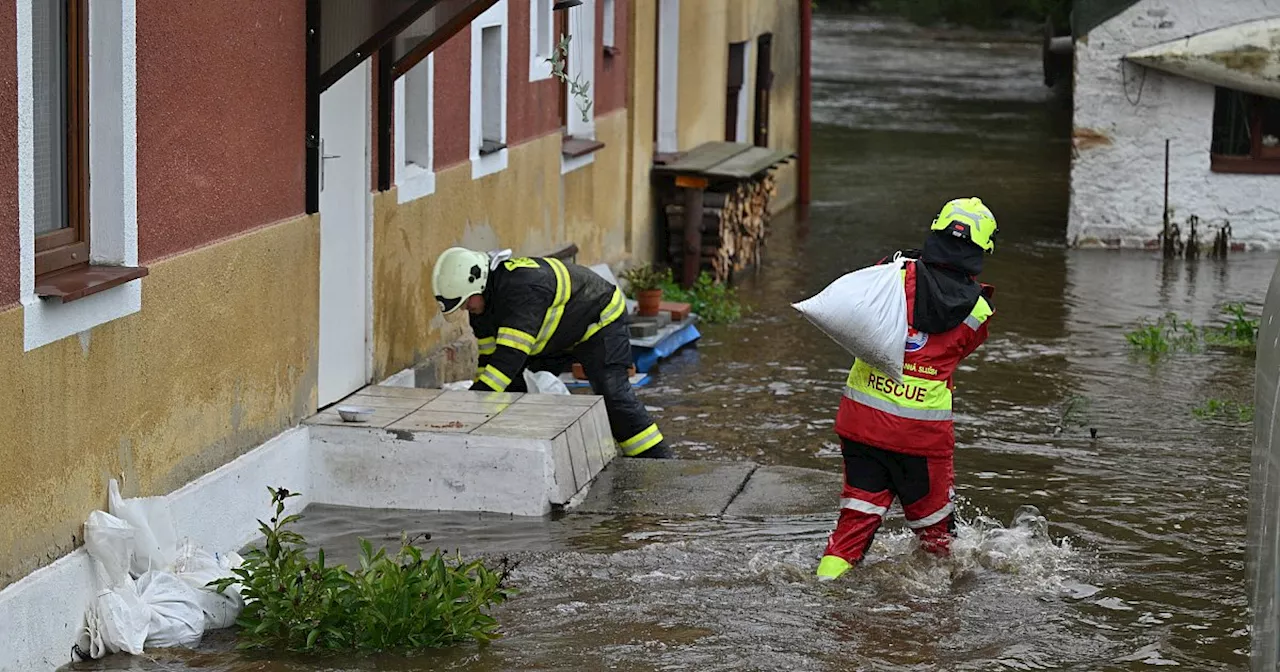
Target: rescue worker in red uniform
[[525, 311], [898, 439]]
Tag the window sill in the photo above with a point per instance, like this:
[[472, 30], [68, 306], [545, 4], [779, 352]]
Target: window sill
[[573, 148], [491, 147], [417, 183], [1244, 165], [77, 283]]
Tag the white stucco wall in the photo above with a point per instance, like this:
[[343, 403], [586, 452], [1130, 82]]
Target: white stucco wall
[[1124, 113]]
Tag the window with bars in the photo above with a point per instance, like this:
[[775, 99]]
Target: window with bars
[[60, 83], [1246, 133]]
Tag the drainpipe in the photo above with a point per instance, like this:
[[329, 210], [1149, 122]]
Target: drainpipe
[[806, 97]]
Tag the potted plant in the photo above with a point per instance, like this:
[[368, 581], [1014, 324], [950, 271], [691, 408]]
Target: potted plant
[[646, 286]]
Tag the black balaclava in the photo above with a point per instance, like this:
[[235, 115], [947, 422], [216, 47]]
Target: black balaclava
[[946, 290]]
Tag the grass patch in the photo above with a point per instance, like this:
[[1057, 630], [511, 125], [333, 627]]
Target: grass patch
[[715, 303], [1237, 330], [402, 602], [1223, 409], [1168, 334]]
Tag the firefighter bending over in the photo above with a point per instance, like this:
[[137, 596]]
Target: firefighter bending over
[[528, 309], [898, 438]]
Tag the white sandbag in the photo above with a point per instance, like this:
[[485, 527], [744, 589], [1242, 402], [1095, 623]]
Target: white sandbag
[[155, 535], [110, 541], [177, 619], [198, 568], [866, 313], [117, 620], [544, 382], [457, 386]]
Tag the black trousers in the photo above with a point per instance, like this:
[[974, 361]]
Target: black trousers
[[606, 359]]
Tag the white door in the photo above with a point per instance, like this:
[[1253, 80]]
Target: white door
[[344, 247]]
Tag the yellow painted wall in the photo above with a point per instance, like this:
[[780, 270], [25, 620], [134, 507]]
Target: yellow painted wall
[[221, 358], [707, 27], [526, 207], [642, 235]]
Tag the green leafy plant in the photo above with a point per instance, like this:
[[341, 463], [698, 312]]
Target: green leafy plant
[[644, 278], [1239, 331], [713, 302], [580, 90], [1224, 409], [402, 602], [1167, 334]]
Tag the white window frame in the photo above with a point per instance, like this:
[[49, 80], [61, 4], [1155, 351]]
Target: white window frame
[[414, 180], [608, 38], [113, 165], [582, 63], [495, 16], [541, 45], [668, 76]]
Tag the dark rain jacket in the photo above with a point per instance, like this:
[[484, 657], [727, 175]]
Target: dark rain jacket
[[536, 306]]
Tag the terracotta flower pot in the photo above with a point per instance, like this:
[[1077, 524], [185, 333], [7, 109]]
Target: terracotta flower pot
[[650, 300]]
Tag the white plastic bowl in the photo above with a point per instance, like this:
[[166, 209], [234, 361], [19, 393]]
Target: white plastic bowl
[[355, 413]]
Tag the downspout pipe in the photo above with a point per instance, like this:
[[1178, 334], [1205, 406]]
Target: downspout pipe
[[806, 99]]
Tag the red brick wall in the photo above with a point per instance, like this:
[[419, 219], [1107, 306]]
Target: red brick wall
[[221, 118], [611, 71], [10, 257], [453, 101], [532, 107]]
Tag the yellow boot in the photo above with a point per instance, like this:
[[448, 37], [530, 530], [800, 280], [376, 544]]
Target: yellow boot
[[831, 567]]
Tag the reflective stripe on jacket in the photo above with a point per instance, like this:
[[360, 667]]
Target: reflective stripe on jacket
[[914, 416], [536, 306]]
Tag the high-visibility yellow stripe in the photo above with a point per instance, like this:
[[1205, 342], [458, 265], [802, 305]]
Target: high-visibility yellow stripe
[[494, 378], [916, 394], [980, 313], [647, 438], [552, 319], [617, 306], [514, 338], [487, 346]]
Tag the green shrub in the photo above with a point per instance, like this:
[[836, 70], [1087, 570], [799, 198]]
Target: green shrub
[[1167, 334], [1238, 331], [712, 302], [1224, 409], [400, 603]]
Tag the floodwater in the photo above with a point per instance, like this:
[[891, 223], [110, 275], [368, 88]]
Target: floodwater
[[1138, 560]]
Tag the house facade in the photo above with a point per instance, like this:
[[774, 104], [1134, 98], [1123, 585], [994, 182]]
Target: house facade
[[1197, 77], [221, 217]]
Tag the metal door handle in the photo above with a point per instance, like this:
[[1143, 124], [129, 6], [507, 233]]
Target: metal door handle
[[324, 156]]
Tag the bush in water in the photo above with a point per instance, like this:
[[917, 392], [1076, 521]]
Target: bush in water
[[403, 603], [1239, 331], [1171, 333], [1224, 409]]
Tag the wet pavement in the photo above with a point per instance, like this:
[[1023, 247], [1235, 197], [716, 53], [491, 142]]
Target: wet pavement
[[1138, 559]]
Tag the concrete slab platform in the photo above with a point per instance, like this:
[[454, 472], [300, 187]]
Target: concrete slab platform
[[461, 451], [787, 491], [667, 487]]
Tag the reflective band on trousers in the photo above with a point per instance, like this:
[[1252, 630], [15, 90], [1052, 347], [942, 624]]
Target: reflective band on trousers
[[646, 439], [933, 518], [552, 319], [863, 507], [894, 409], [617, 306]]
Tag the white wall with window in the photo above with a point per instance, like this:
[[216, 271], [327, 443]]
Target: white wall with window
[[542, 39], [489, 91], [1221, 169], [415, 132], [68, 222], [580, 108]]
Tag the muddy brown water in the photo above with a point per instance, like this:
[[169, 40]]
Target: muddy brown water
[[1141, 560]]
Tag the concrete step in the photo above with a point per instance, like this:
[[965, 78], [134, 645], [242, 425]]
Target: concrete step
[[710, 488]]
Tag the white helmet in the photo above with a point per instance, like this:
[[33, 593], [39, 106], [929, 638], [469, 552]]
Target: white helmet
[[459, 275]]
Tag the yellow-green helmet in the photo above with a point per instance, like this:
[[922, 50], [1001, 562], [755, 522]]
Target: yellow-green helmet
[[970, 219]]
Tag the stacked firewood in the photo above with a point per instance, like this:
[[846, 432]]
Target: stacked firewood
[[735, 224]]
